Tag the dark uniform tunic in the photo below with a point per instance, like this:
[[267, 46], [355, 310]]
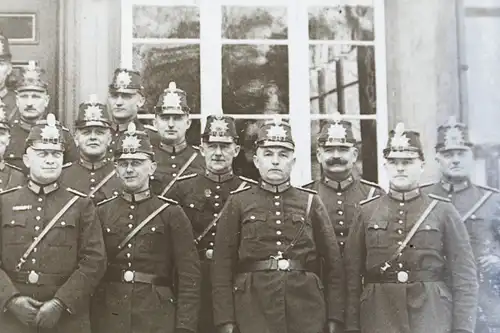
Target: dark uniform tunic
[[8, 97], [202, 198], [165, 243], [19, 133], [69, 261], [10, 176], [439, 251], [170, 160], [342, 199], [485, 240], [261, 223], [84, 176]]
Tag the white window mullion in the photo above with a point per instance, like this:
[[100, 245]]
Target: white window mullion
[[210, 59], [298, 65], [127, 33]]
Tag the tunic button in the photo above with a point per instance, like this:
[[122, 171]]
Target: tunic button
[[375, 226], [130, 226], [216, 204], [131, 216], [339, 193], [216, 197], [215, 214], [211, 243], [401, 212], [108, 230], [174, 174], [278, 213], [191, 205], [37, 228], [129, 245], [132, 207], [341, 222], [341, 212], [128, 255], [341, 243], [92, 173], [341, 234], [278, 232], [33, 260], [37, 218], [401, 203], [276, 197], [473, 216], [252, 217], [174, 165], [153, 229], [276, 203], [400, 221], [400, 243], [129, 264], [63, 223], [92, 180], [213, 233], [278, 221], [428, 227], [450, 195], [12, 222], [278, 243], [215, 224], [40, 199], [339, 202], [172, 157], [217, 187], [35, 249], [400, 231]]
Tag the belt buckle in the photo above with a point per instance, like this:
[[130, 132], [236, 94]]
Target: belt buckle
[[209, 254], [283, 264], [402, 276], [128, 276], [33, 277]]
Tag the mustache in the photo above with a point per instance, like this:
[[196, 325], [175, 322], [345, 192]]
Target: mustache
[[336, 161]]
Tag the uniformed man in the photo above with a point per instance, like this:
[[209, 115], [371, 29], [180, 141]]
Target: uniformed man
[[339, 189], [477, 206], [174, 155], [203, 195], [94, 173], [52, 252], [7, 95], [268, 244], [125, 98], [409, 263], [147, 238], [10, 175], [32, 100]]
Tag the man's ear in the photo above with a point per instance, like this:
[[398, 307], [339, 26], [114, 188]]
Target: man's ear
[[355, 153], [202, 149], [188, 122], [152, 168], [26, 160], [141, 100], [237, 149], [47, 99]]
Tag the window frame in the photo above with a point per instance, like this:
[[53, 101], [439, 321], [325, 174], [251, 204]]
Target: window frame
[[298, 63]]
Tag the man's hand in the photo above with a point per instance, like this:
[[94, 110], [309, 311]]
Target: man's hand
[[49, 313], [24, 308], [227, 328], [490, 263], [333, 327]]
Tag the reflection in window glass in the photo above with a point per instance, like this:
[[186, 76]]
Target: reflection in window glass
[[160, 64], [166, 22], [254, 22]]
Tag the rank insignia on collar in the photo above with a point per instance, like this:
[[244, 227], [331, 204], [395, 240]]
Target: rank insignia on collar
[[22, 207], [50, 131], [219, 126], [400, 140], [31, 72], [123, 80]]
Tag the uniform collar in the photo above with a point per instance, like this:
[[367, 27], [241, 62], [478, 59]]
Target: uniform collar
[[93, 166], [173, 149], [404, 196], [219, 178], [342, 185], [24, 125], [122, 127], [450, 188], [3, 92], [275, 188], [136, 197], [45, 189]]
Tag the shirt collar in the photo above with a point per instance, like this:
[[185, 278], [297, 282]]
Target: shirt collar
[[275, 188], [404, 196], [93, 166], [45, 189], [219, 178], [173, 149], [136, 197], [450, 188], [342, 185]]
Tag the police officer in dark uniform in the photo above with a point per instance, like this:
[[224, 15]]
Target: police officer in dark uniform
[[146, 237], [52, 252], [409, 263], [172, 152], [32, 100], [7, 95], [10, 175], [339, 189], [202, 197], [94, 172], [477, 206], [268, 244]]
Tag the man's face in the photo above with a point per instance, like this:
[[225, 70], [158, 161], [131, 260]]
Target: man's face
[[219, 156], [93, 142], [274, 163], [4, 140], [32, 104], [135, 174], [404, 173], [5, 70], [455, 163], [45, 165], [172, 128], [337, 159], [124, 106]]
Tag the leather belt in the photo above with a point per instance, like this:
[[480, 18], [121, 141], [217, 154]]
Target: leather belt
[[403, 277], [272, 265], [37, 278], [131, 276]]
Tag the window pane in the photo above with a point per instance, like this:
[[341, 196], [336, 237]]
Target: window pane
[[255, 79], [365, 133], [353, 22], [254, 22], [160, 64], [166, 22]]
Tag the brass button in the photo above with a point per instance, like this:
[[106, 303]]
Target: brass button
[[278, 232], [278, 243], [278, 221]]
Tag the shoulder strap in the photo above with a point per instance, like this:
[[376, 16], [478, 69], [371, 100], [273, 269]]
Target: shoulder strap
[[308, 190], [476, 206], [492, 189], [102, 202], [309, 204], [179, 174], [248, 180], [362, 202], [12, 166]]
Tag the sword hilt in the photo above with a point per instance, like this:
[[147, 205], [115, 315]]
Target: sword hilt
[[20, 264]]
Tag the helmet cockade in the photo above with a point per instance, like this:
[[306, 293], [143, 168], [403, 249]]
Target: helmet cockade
[[50, 132], [454, 136], [131, 142], [219, 127], [336, 132], [400, 141], [171, 99], [31, 72], [123, 80], [93, 110], [276, 131]]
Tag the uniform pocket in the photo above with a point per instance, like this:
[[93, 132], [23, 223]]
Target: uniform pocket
[[16, 232], [251, 224], [376, 234], [428, 236], [63, 233], [151, 238]]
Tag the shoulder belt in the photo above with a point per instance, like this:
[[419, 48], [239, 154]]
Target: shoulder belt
[[438, 197], [141, 225], [366, 182], [492, 189], [238, 190], [426, 184], [308, 190], [75, 192], [195, 147], [64, 128], [248, 180], [181, 171], [67, 165], [151, 128], [102, 202], [13, 189], [191, 175], [309, 183], [12, 166], [45, 230], [476, 206], [172, 201], [299, 233], [362, 202]]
